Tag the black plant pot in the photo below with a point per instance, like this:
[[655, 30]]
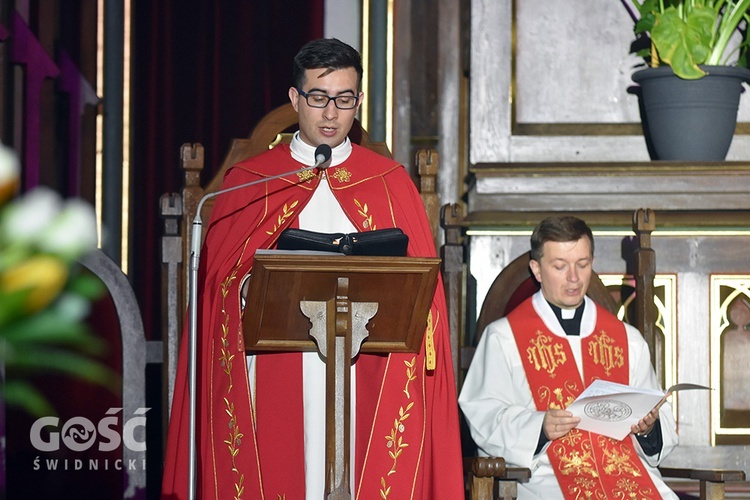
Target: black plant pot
[[690, 120]]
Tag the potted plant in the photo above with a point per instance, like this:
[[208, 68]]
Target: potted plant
[[696, 50]]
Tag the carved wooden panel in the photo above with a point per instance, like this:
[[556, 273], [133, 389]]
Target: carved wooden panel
[[622, 289], [730, 358]]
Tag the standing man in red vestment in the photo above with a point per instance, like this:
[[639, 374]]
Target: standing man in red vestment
[[260, 427]]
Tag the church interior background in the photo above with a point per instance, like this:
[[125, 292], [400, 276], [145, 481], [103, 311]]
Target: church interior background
[[527, 104]]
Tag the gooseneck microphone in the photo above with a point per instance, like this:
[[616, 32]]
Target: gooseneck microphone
[[322, 155]]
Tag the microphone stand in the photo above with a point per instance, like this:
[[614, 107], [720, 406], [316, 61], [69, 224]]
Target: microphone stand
[[322, 155]]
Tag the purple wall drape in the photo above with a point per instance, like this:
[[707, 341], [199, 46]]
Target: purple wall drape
[[203, 71]]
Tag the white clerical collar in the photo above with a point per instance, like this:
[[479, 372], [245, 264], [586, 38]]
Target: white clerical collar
[[305, 154], [569, 313]]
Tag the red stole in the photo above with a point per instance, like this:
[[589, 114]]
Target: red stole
[[587, 465]]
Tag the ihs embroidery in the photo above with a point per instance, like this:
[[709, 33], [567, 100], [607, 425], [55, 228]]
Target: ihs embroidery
[[545, 354], [605, 353]]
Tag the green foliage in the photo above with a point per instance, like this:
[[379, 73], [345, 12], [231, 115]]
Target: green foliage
[[44, 296], [55, 340], [689, 33]]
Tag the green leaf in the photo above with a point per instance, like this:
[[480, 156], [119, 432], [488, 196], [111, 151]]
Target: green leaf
[[11, 306], [684, 44], [647, 7], [25, 396], [645, 23], [87, 285], [731, 17], [50, 328], [40, 361]]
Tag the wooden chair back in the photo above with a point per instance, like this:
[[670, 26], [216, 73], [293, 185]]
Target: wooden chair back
[[515, 283]]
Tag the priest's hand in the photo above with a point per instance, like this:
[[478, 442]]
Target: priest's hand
[[644, 425], [557, 423]]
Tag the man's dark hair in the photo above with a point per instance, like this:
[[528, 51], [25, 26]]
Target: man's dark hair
[[559, 228], [328, 53]]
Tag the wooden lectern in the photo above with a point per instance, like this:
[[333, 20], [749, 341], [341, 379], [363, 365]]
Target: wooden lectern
[[354, 304]]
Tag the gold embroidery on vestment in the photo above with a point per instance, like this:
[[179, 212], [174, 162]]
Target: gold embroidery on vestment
[[342, 174], [618, 460], [239, 488], [605, 353], [555, 399], [385, 490], [288, 211], [306, 175], [226, 359], [628, 488], [411, 375], [429, 342], [363, 211], [572, 438], [584, 487], [395, 444], [395, 441], [233, 443], [575, 462], [543, 354]]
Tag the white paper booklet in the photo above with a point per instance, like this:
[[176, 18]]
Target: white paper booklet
[[610, 409]]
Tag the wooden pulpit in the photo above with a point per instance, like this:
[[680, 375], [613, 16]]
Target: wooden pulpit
[[340, 306]]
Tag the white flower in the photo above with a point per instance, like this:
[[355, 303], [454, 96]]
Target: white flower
[[26, 219], [73, 232], [10, 173], [9, 168], [41, 220]]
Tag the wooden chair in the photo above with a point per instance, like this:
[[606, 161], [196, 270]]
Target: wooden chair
[[178, 211], [491, 476]]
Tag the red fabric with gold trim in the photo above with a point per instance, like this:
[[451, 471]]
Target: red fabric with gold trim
[[587, 465], [412, 449]]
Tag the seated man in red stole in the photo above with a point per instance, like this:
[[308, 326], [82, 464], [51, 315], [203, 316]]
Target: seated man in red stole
[[261, 418], [515, 409]]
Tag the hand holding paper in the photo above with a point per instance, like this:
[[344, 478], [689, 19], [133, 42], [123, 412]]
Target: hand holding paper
[[612, 409], [646, 424], [557, 423]]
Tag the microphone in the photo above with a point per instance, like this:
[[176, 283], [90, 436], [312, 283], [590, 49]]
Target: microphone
[[322, 155]]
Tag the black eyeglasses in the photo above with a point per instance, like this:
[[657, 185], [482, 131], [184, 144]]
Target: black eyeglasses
[[322, 100]]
